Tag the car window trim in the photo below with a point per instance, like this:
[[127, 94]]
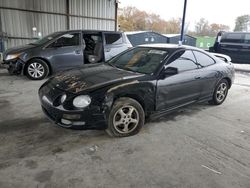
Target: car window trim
[[201, 66]]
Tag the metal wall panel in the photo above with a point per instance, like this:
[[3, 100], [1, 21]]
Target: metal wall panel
[[88, 23], [83, 14], [104, 9], [58, 6], [93, 8], [16, 42], [19, 24]]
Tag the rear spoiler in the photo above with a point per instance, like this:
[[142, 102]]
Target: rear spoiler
[[223, 57]]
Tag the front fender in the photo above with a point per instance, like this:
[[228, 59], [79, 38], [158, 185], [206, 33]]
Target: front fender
[[143, 92]]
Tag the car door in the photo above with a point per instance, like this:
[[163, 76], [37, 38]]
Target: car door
[[245, 49], [231, 44], [180, 88], [113, 44], [66, 51], [208, 73]]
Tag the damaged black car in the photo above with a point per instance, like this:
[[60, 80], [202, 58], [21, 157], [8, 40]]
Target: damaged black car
[[143, 81]]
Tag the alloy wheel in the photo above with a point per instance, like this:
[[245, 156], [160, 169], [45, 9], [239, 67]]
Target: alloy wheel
[[221, 92], [36, 70], [126, 119]]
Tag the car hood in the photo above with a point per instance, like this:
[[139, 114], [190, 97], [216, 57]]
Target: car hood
[[91, 77], [18, 49]]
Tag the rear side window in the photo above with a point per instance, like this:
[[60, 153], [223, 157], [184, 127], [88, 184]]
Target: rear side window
[[232, 38], [72, 39], [203, 59], [247, 38], [113, 38], [183, 61]]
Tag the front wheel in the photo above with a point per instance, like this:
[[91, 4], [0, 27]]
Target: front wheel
[[220, 92], [37, 69], [126, 118]]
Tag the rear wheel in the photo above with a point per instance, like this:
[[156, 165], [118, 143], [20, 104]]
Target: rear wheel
[[126, 118], [37, 69], [220, 92]]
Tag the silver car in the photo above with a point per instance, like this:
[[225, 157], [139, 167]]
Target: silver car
[[64, 50]]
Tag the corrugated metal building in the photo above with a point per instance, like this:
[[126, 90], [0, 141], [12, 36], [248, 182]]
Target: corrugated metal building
[[174, 39], [145, 37], [22, 21], [148, 37]]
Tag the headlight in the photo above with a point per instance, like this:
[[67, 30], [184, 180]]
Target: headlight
[[12, 56], [82, 101]]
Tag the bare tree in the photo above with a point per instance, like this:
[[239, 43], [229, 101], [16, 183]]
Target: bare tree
[[242, 23], [203, 28], [132, 19], [173, 26], [215, 28]]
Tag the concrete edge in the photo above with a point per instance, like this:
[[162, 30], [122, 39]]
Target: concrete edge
[[241, 70]]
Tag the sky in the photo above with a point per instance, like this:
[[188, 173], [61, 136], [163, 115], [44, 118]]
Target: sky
[[215, 11]]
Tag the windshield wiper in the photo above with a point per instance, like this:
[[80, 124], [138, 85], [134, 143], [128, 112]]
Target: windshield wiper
[[124, 68], [127, 69]]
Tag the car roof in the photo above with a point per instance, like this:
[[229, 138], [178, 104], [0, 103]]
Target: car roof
[[83, 30], [174, 47], [169, 46]]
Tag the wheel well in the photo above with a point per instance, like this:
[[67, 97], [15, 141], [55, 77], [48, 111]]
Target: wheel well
[[135, 97], [45, 60], [229, 81]]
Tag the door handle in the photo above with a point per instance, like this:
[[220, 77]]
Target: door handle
[[197, 77], [77, 52], [108, 50]]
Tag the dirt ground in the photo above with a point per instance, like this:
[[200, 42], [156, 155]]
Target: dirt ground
[[198, 146]]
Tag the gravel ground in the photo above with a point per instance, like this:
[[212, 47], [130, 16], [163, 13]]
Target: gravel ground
[[198, 146]]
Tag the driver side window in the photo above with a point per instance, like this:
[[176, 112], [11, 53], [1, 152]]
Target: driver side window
[[70, 39], [183, 61]]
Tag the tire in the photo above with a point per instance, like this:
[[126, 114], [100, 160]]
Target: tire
[[36, 69], [220, 92], [125, 118]]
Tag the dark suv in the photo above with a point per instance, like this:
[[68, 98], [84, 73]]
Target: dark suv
[[64, 50], [234, 44]]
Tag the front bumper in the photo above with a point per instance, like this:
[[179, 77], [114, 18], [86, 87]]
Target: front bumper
[[88, 118], [14, 66]]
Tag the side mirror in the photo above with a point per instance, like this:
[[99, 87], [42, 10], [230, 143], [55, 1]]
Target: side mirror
[[169, 71]]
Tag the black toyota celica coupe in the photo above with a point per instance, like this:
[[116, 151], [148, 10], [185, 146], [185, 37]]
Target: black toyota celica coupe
[[142, 81]]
